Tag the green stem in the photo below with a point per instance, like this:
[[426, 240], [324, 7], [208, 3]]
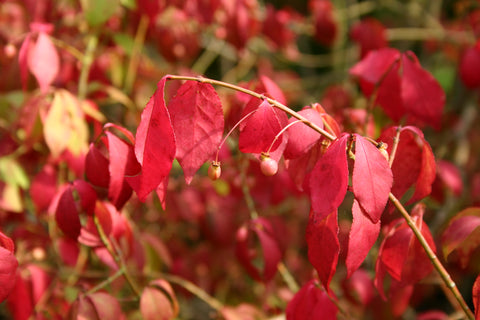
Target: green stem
[[287, 277], [433, 258], [121, 264], [246, 190], [87, 61], [197, 291], [106, 282], [136, 50]]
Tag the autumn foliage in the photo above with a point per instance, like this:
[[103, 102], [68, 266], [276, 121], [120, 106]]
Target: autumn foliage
[[217, 159]]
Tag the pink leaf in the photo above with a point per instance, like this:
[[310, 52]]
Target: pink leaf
[[422, 95], [302, 138], [362, 237], [158, 301], [323, 245], [260, 128], [372, 178], [43, 61], [329, 178], [155, 145], [197, 120]]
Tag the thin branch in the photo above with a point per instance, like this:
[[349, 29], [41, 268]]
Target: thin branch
[[86, 65], [121, 264], [197, 291], [136, 50], [273, 102], [433, 258]]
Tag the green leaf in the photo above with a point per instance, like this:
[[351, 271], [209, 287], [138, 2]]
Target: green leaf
[[98, 12]]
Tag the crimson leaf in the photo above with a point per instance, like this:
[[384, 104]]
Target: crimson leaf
[[197, 120], [323, 245], [372, 178], [155, 145], [329, 178], [260, 128], [362, 237]]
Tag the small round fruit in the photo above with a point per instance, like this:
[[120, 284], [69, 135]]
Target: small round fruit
[[10, 50], [382, 147], [214, 171], [268, 166]]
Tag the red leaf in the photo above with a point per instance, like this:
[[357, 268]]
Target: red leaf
[[44, 187], [325, 24], [359, 288], [426, 177], [323, 245], [462, 234], [158, 301], [389, 94], [329, 178], [272, 255], [87, 196], [269, 87], [402, 255], [475, 297], [302, 138], [259, 130], [197, 120], [19, 301], [8, 269], [375, 65], [43, 61], [370, 34], [362, 237], [122, 164], [311, 303], [372, 178], [414, 162], [155, 144], [422, 95], [23, 59], [66, 214], [162, 192], [96, 167], [300, 167], [469, 64]]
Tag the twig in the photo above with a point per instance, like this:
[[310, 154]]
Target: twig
[[433, 258], [197, 291], [86, 64], [273, 102]]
